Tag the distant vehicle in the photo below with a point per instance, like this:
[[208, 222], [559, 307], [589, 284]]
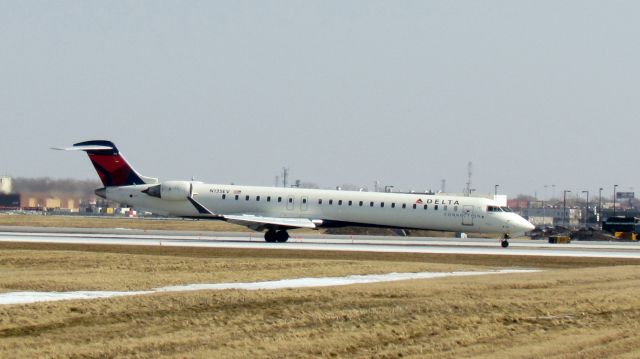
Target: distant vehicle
[[276, 210], [621, 224]]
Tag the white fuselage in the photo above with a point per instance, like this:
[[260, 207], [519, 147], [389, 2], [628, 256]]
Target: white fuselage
[[332, 207]]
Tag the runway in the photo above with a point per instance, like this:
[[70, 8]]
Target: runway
[[471, 246]]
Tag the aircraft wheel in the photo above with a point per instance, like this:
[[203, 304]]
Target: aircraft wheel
[[270, 236], [282, 236], [504, 243]]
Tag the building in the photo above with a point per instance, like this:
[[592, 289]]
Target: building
[[50, 201], [6, 186], [9, 201], [553, 216]]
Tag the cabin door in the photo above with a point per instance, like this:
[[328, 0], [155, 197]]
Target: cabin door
[[290, 203], [467, 215]]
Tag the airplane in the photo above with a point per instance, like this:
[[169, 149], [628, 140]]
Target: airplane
[[275, 210]]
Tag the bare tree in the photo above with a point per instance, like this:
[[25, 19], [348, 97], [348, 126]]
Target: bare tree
[[69, 186]]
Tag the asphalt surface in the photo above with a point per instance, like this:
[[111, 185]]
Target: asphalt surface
[[518, 247]]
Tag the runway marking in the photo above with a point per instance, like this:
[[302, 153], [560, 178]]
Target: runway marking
[[34, 297]]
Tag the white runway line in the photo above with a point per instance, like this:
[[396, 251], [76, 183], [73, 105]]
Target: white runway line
[[33, 297]]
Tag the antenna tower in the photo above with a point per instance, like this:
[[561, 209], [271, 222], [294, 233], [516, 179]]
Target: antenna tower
[[285, 175], [469, 174]]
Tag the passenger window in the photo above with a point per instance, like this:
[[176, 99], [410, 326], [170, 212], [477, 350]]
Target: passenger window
[[360, 203], [393, 205], [425, 206], [268, 198], [258, 198], [414, 206], [224, 196], [371, 204], [330, 201], [340, 202], [279, 199], [404, 205], [237, 197], [320, 201], [247, 197], [350, 202], [304, 200], [290, 200], [435, 207]]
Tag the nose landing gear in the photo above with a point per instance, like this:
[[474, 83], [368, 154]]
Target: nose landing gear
[[505, 240]]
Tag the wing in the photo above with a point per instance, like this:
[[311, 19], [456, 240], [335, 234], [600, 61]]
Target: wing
[[259, 222]]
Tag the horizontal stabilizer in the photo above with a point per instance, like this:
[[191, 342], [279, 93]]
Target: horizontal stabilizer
[[83, 148]]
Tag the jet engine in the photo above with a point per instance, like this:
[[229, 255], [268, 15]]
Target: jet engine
[[170, 190]]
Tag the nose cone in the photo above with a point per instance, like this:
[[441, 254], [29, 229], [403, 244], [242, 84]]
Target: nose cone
[[525, 225]]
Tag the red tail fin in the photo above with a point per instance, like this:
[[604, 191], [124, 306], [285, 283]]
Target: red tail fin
[[111, 166]]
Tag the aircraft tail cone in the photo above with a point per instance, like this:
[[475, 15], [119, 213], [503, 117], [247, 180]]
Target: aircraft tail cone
[[101, 192]]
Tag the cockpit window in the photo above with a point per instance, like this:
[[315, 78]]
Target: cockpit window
[[493, 209], [506, 209]]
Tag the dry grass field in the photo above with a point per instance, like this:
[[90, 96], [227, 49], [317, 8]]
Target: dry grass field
[[575, 308], [118, 222]]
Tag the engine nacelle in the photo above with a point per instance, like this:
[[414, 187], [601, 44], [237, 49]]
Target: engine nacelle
[[170, 190]]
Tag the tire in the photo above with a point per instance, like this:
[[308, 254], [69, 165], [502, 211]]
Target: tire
[[504, 244], [282, 236], [270, 236]]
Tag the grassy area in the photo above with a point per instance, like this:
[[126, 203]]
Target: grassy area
[[63, 270], [576, 308], [118, 222]]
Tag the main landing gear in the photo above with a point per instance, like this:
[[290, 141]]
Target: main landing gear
[[276, 236], [505, 240]]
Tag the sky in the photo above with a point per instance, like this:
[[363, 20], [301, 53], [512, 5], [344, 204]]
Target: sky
[[533, 93]]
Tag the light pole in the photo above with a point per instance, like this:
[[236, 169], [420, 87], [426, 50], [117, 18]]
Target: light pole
[[600, 207], [586, 211], [546, 192], [564, 207], [496, 189], [615, 186]]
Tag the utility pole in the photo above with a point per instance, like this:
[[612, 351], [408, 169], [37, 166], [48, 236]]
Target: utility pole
[[600, 207], [586, 212], [615, 186], [564, 208]]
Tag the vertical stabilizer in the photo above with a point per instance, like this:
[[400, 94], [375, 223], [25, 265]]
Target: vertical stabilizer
[[112, 167]]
